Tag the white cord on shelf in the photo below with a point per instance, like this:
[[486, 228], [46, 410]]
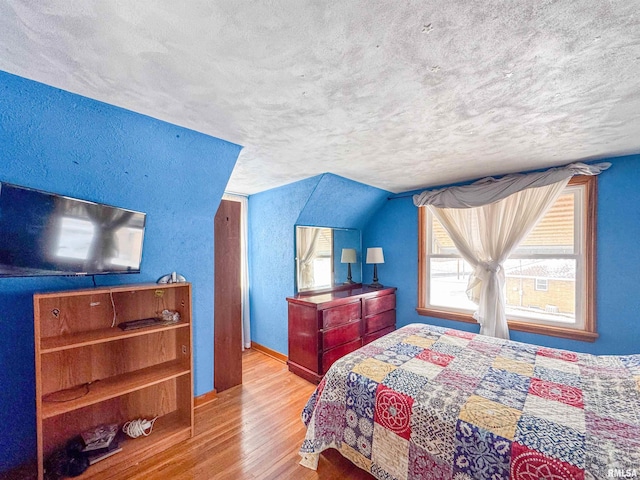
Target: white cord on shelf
[[113, 306], [136, 428]]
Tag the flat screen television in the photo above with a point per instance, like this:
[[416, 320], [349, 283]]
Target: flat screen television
[[43, 233]]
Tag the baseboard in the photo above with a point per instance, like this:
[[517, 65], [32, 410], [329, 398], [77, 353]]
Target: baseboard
[[205, 399], [272, 353]]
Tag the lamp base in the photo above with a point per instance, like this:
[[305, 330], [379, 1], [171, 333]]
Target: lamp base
[[376, 285], [349, 282]]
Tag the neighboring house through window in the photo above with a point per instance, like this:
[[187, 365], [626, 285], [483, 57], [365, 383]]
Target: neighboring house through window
[[549, 287]]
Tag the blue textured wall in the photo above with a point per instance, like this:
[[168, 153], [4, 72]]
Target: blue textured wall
[[272, 216], [325, 200], [338, 202], [64, 143], [395, 227]]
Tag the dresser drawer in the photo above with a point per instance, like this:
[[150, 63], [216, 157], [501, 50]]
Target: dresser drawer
[[330, 356], [341, 334], [375, 335], [332, 317], [377, 322], [379, 304]]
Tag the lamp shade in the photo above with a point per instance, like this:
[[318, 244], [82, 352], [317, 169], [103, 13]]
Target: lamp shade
[[348, 255], [375, 255]]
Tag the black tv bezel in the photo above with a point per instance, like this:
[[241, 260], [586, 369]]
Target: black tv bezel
[[54, 273]]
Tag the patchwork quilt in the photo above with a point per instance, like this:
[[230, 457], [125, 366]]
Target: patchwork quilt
[[426, 402]]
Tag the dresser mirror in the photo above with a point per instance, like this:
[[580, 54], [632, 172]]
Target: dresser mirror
[[318, 253]]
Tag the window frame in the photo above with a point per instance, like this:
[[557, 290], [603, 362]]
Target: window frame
[[541, 284], [587, 332]]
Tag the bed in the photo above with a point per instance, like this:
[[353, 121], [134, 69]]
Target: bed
[[426, 402]]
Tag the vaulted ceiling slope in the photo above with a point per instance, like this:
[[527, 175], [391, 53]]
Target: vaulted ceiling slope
[[397, 95]]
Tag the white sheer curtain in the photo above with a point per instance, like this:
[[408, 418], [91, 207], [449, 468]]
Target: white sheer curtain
[[485, 237], [306, 247], [244, 266], [487, 220]]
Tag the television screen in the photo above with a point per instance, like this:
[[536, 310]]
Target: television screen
[[47, 234]]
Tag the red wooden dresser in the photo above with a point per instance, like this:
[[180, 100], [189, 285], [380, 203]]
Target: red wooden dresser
[[324, 327]]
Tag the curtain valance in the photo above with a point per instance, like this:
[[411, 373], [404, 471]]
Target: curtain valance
[[489, 190]]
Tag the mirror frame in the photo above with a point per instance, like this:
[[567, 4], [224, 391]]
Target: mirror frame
[[338, 270]]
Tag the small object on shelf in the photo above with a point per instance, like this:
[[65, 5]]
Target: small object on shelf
[[169, 317], [139, 427], [143, 322], [96, 457], [64, 463], [172, 277], [99, 437]]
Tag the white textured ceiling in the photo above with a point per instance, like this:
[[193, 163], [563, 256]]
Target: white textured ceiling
[[395, 94]]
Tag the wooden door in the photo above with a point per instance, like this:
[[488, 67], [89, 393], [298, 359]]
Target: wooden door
[[227, 329]]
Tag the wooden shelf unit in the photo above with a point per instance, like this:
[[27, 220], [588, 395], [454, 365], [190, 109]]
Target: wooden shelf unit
[[89, 371]]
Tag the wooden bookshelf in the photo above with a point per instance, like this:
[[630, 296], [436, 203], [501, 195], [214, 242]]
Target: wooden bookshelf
[[89, 371]]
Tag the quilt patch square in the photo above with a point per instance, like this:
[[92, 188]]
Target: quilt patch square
[[361, 394], [371, 349], [356, 458], [555, 391], [358, 433], [492, 416], [507, 388], [420, 367], [446, 347], [437, 358], [557, 376], [419, 341], [557, 412], [525, 354], [604, 455], [611, 398], [442, 399], [329, 422], [406, 382], [515, 366], [460, 334], [457, 340], [433, 432], [556, 364], [606, 428], [488, 349], [528, 464], [458, 380], [390, 451], [632, 362], [406, 349], [480, 454], [552, 439], [374, 369], [604, 373], [466, 365], [423, 466], [393, 411], [392, 357], [558, 354]]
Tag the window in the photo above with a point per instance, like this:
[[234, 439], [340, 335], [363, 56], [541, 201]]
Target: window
[[549, 285], [542, 284]]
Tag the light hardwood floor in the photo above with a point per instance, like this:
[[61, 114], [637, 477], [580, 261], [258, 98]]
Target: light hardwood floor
[[252, 431]]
